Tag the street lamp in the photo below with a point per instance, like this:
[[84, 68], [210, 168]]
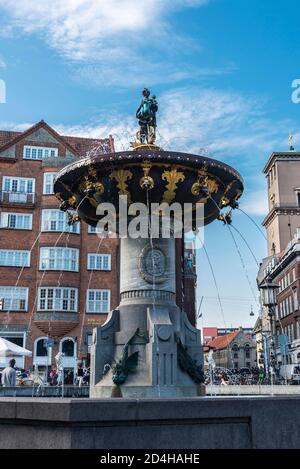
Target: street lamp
[[269, 291]]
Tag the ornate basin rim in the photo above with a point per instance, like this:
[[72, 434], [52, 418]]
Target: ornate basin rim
[[165, 157]]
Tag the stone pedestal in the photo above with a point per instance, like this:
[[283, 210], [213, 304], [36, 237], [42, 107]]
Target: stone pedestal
[[147, 289]]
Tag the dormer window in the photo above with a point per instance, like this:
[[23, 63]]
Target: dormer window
[[39, 153]]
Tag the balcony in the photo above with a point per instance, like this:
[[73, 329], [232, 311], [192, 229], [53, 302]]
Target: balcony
[[17, 198]]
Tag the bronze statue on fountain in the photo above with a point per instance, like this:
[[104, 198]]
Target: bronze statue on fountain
[[146, 115]]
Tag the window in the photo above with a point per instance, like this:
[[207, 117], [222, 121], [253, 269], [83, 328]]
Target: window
[[38, 153], [57, 299], [48, 183], [98, 301], [55, 220], [14, 258], [295, 299], [59, 259], [99, 261], [298, 329], [16, 221], [235, 355], [41, 349], [14, 298], [68, 347], [247, 351], [290, 304], [248, 364], [236, 365], [18, 189], [94, 229], [89, 341]]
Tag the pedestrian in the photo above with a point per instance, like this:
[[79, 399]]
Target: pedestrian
[[9, 375], [261, 375], [80, 374], [53, 377], [86, 376]]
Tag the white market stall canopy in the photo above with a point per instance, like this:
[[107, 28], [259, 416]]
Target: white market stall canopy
[[9, 349]]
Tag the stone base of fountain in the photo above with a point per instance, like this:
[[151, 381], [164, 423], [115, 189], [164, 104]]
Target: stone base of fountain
[[147, 323], [158, 373], [191, 423]]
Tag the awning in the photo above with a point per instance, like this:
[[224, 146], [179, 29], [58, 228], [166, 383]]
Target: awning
[[9, 349]]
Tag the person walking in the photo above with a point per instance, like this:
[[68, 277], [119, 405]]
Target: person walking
[[9, 375], [261, 375], [80, 374]]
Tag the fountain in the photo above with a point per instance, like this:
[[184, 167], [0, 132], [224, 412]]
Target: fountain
[[147, 347]]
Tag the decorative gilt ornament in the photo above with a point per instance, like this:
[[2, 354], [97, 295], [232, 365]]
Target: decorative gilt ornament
[[146, 182], [122, 176], [87, 185], [72, 201], [173, 177], [205, 184], [224, 201], [201, 181]]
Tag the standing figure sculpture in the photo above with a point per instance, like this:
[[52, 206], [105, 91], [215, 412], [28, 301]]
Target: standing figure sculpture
[[146, 114]]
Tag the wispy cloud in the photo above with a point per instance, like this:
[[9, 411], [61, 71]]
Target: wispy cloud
[[256, 202], [117, 40]]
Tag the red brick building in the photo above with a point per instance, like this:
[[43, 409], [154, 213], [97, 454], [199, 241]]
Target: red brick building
[[56, 282]]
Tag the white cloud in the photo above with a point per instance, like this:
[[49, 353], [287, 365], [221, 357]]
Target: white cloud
[[110, 42], [87, 29], [255, 203]]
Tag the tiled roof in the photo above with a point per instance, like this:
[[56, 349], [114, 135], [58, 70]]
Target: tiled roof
[[85, 145], [224, 340], [7, 135], [80, 145]]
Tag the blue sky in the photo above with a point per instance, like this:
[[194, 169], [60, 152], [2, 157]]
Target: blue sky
[[222, 72]]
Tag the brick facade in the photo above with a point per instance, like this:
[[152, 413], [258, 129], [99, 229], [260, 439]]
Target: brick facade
[[34, 323]]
